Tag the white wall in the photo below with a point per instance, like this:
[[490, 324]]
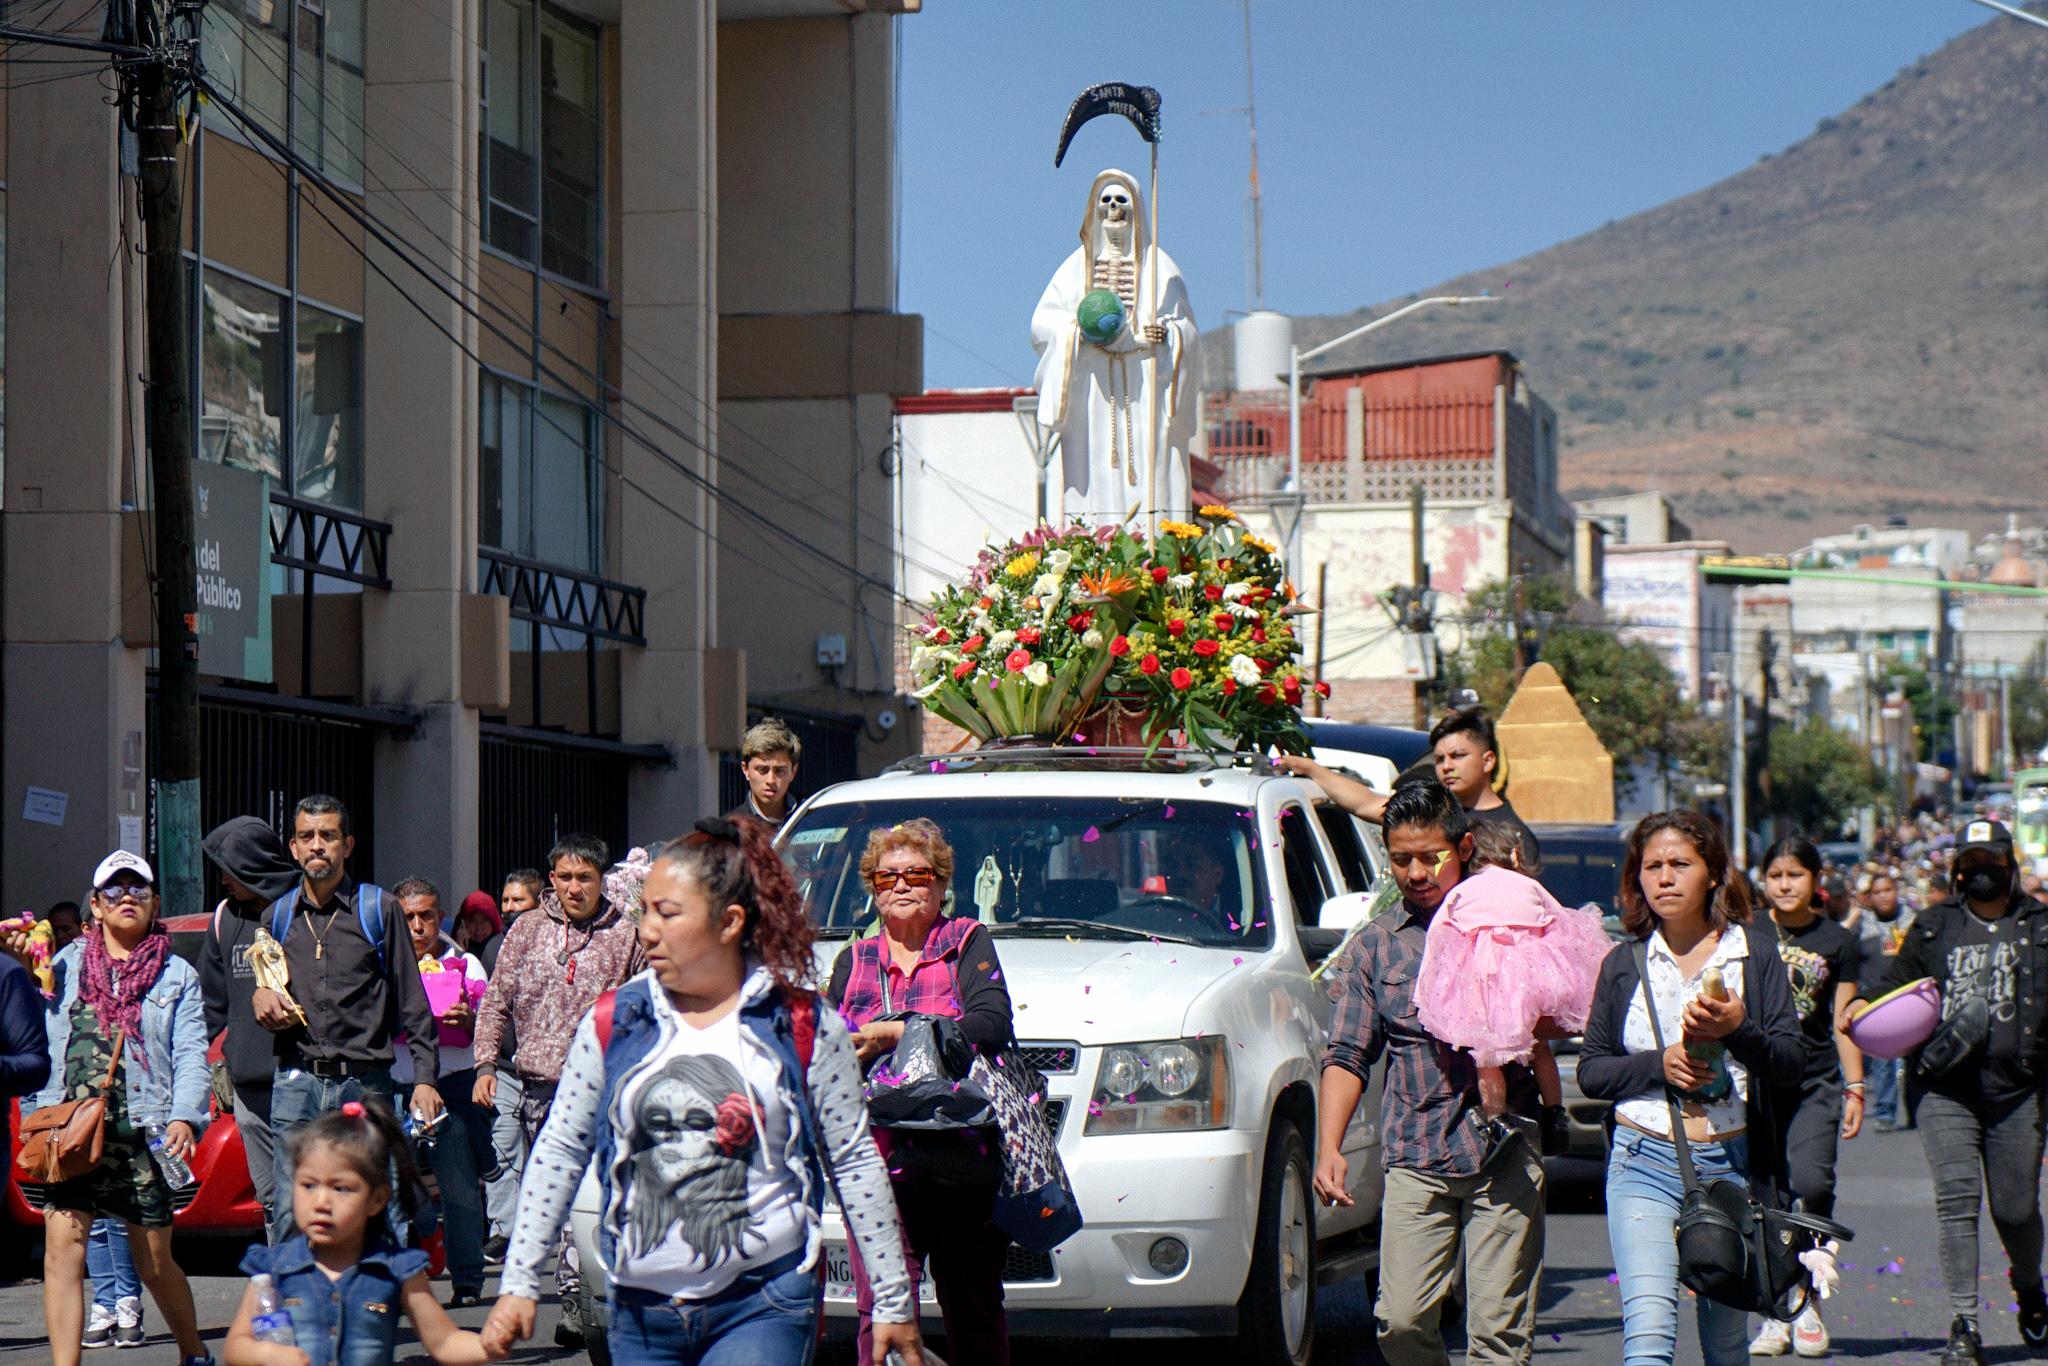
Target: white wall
[[968, 479]]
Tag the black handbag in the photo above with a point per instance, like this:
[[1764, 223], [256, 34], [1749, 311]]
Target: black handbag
[[1957, 1039], [1733, 1248]]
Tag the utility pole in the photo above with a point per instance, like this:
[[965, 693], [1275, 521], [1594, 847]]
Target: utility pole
[[1738, 751], [1418, 574], [169, 410], [1322, 624], [1521, 629], [1760, 766]]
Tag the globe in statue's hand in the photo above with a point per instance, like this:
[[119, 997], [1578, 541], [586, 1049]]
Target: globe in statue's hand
[[1101, 316]]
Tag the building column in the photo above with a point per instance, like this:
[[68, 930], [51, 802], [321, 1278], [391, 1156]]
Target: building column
[[666, 280], [71, 690], [420, 434]]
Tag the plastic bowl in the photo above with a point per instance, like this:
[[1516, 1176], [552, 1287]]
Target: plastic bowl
[[1897, 1022]]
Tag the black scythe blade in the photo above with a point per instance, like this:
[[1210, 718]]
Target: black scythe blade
[[1138, 103]]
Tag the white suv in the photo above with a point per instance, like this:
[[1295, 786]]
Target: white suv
[[1157, 921]]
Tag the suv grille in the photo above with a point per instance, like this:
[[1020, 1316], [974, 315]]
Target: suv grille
[[1020, 1266], [1053, 1059]]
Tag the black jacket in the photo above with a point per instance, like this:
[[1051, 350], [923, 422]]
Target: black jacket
[[1937, 930], [1767, 1042], [24, 1045], [250, 852]]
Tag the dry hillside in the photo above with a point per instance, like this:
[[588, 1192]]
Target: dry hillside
[[1852, 328]]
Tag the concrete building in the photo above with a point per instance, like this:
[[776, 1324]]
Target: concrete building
[[605, 477]]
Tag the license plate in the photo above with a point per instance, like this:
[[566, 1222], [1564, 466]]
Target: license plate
[[838, 1272]]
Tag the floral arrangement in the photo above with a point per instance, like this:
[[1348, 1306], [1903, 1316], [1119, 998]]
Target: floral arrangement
[[1194, 632]]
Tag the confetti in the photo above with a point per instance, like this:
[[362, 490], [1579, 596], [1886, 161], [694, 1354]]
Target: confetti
[[1235, 962], [1090, 835]]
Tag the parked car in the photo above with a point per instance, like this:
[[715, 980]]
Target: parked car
[[222, 1202], [1147, 909]]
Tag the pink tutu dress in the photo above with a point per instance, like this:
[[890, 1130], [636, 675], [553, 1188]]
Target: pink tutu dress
[[1501, 955]]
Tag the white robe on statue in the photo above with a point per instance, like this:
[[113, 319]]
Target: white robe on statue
[[1095, 397]]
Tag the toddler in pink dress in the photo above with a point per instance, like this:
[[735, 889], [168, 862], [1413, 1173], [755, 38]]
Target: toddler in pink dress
[[1501, 956]]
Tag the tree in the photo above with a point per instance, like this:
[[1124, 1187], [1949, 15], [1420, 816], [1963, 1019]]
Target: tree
[[1820, 777], [2029, 699], [1934, 712], [1624, 687]]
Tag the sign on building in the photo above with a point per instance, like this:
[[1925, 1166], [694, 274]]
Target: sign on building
[[231, 556]]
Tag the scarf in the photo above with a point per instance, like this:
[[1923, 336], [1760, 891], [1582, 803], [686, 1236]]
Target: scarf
[[114, 989]]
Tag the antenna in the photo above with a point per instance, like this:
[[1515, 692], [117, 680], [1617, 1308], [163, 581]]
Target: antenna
[[1251, 114]]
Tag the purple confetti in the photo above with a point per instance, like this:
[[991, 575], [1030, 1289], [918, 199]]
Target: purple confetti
[[1168, 812], [1090, 835], [938, 766], [1236, 961]]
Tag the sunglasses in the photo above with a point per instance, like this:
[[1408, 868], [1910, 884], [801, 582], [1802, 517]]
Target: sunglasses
[[124, 891], [883, 880]]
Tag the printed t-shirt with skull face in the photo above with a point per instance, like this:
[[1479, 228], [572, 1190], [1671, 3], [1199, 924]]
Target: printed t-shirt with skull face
[[703, 1188], [1819, 956]]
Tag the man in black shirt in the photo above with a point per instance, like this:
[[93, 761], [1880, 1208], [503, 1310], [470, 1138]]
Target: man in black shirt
[[353, 973], [1467, 757]]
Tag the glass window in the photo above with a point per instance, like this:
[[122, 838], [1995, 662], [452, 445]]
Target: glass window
[[537, 485], [511, 185], [245, 44], [562, 485], [1307, 882], [503, 477], [1082, 867], [242, 377], [1352, 859], [328, 439], [571, 126], [327, 86]]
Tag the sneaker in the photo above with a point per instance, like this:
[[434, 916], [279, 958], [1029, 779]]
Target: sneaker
[[99, 1326], [128, 1322], [1556, 1127], [494, 1248], [1964, 1348], [1773, 1341], [466, 1297], [200, 1360], [2033, 1314], [1809, 1334]]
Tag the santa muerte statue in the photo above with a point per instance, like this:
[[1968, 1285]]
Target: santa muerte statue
[[1115, 337]]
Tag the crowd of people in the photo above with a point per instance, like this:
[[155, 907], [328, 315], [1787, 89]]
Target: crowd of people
[[654, 1020]]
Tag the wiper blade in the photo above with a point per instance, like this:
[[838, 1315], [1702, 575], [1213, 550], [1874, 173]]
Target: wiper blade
[[1034, 926]]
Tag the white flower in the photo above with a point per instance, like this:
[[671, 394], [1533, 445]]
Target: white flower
[[1242, 610], [921, 657], [1092, 638], [1180, 582], [1233, 591], [1037, 674], [1002, 640], [928, 689], [1245, 670], [982, 625], [1046, 586], [1060, 559]]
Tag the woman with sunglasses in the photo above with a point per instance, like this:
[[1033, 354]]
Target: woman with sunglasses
[[119, 985], [926, 962]]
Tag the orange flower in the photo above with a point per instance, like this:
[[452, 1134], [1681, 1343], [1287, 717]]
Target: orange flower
[[1107, 584]]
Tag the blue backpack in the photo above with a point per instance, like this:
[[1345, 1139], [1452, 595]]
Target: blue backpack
[[369, 910]]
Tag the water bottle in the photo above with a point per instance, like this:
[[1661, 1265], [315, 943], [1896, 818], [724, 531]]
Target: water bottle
[[270, 1323], [1713, 1052], [174, 1169]]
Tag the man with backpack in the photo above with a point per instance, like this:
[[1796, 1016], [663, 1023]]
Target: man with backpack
[[353, 975]]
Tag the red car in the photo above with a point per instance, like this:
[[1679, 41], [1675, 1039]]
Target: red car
[[223, 1200]]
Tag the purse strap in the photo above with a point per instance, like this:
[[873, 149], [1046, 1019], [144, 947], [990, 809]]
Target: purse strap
[[1686, 1171], [113, 1062]]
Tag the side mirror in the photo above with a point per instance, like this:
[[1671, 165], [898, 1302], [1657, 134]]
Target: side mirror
[[1342, 912]]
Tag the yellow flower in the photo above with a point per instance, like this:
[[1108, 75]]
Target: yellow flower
[[1216, 512], [1258, 542], [1022, 566], [1183, 530]]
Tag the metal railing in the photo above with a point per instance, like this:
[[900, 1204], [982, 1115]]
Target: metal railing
[[322, 541], [558, 598], [1444, 441]]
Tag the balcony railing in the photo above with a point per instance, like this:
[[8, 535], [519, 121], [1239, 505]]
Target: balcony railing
[[566, 599], [1355, 452], [329, 542]]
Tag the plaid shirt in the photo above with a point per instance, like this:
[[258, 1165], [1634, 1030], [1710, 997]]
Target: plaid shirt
[[1430, 1085], [931, 987]]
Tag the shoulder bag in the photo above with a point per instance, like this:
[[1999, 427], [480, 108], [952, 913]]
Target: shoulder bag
[[1733, 1248], [1035, 1203], [65, 1141]]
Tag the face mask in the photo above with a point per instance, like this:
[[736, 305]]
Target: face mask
[[1985, 884]]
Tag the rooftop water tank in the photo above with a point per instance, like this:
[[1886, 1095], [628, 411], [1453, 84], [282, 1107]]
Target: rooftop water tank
[[1262, 341]]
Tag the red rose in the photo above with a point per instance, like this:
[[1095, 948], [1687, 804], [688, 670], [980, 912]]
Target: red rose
[[1176, 628], [1206, 648], [1230, 687], [973, 642], [1182, 678], [1258, 635], [1212, 592], [1265, 666], [1028, 636], [735, 1132], [1149, 665], [942, 637], [1017, 661], [1292, 687], [1322, 690], [1159, 573], [1266, 693], [963, 668], [1120, 647], [984, 603], [1223, 622], [1079, 621]]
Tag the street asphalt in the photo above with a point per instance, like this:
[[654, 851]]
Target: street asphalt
[[1892, 1307]]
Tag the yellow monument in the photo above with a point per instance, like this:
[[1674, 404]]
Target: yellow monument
[[1557, 768]]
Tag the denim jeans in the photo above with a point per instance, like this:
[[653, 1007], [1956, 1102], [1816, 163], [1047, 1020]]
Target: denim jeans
[[1885, 1103], [1644, 1190], [770, 1315], [297, 1098], [108, 1264], [458, 1156], [1975, 1149], [508, 1155]]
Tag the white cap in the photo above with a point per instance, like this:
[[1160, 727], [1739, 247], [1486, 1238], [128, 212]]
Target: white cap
[[121, 861]]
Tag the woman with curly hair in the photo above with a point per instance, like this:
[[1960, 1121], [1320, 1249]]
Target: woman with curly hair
[[925, 962], [716, 1099]]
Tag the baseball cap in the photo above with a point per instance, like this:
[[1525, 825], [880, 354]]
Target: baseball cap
[[121, 861], [1990, 837]]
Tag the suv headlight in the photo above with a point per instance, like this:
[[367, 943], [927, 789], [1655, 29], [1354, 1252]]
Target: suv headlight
[[1176, 1084]]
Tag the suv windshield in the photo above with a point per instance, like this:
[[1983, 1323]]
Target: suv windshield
[[1088, 867]]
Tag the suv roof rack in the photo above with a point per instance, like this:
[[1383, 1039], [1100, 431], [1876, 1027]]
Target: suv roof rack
[[1106, 758]]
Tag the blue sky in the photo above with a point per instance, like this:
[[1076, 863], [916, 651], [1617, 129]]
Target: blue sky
[[1399, 143]]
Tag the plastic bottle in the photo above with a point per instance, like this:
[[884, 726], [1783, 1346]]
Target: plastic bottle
[[174, 1169], [1712, 1051], [270, 1323]]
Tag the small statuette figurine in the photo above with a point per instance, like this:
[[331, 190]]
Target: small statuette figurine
[[265, 957]]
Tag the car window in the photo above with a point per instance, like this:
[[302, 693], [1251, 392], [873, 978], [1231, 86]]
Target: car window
[[1580, 874], [1307, 882], [1352, 859], [1097, 867]]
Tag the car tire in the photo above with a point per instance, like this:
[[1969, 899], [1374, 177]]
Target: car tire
[[1277, 1314]]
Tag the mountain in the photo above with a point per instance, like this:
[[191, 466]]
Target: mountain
[[1853, 328]]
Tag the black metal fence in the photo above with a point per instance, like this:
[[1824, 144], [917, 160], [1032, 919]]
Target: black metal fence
[[535, 791]]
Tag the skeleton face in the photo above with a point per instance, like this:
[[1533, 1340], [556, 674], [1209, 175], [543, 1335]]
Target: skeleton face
[[1115, 204], [679, 1119]]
